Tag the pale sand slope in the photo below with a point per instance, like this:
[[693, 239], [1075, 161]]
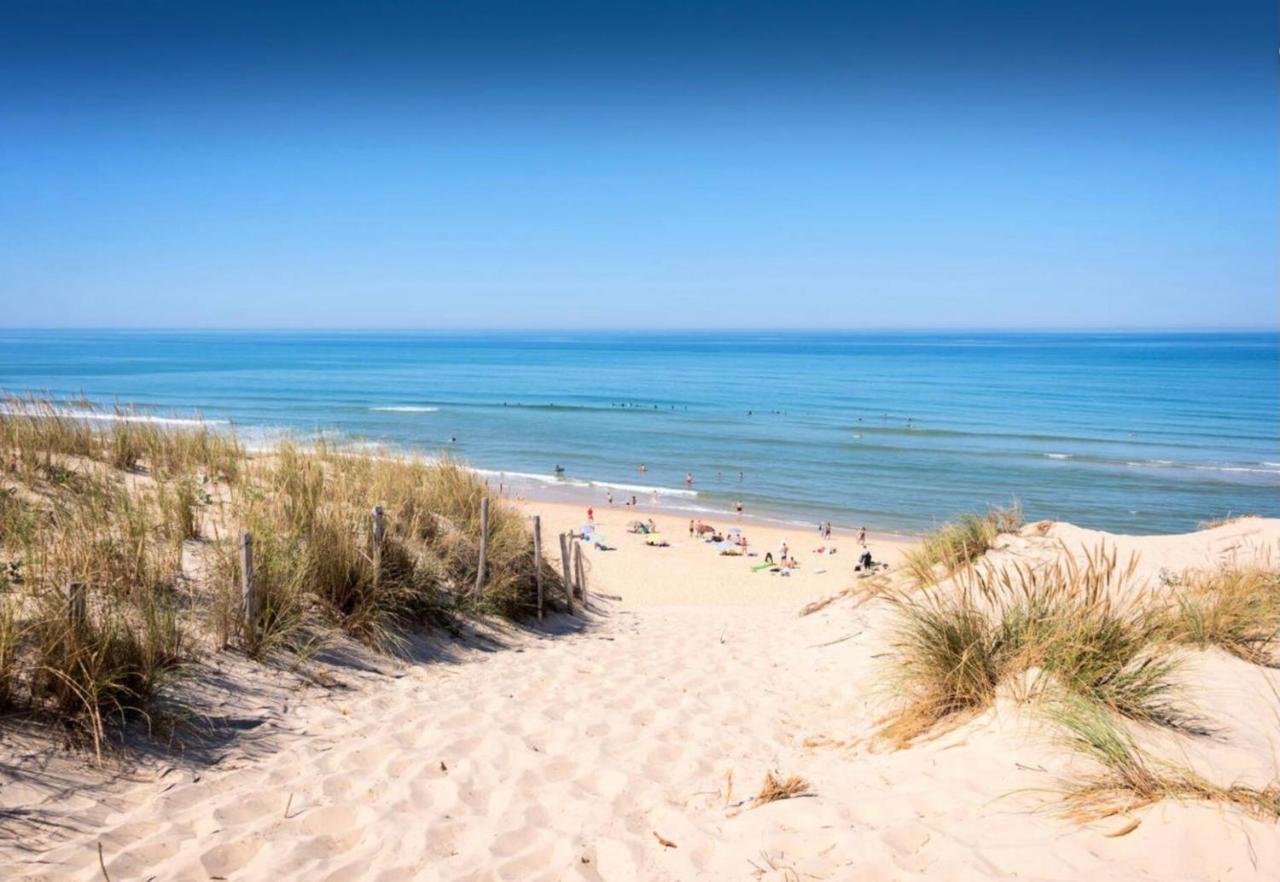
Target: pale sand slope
[[561, 757]]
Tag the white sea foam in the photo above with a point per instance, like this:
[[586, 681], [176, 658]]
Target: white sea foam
[[112, 416], [405, 408], [559, 481], [551, 480], [1246, 469], [1058, 455], [641, 488], [1168, 463]]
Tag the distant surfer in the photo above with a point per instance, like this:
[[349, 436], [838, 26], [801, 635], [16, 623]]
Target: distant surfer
[[559, 469]]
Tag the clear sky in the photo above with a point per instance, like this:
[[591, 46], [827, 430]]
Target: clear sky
[[648, 164]]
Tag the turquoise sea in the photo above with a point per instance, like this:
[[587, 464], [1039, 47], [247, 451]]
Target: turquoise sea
[[1131, 432]]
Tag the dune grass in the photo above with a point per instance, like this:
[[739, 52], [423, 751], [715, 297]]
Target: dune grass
[[93, 674], [309, 512], [111, 503], [1060, 625], [1234, 609], [36, 432], [1130, 780], [956, 544], [1080, 638]]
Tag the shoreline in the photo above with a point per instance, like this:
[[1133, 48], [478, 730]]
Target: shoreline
[[521, 487]]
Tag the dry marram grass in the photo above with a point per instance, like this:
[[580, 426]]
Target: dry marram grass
[[109, 500]]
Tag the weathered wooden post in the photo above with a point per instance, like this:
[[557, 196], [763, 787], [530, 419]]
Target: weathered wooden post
[[248, 589], [537, 559], [484, 542], [77, 611], [579, 574], [568, 570], [379, 532]]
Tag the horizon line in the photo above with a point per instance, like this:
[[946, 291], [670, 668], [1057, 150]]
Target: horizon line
[[653, 329]]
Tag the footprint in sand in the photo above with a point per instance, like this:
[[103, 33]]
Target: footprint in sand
[[230, 856]]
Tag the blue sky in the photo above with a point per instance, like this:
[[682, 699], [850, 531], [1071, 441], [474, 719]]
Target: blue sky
[[594, 164]]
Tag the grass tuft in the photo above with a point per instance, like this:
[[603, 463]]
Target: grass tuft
[[1236, 609], [1130, 780], [955, 545], [1060, 623], [775, 788]]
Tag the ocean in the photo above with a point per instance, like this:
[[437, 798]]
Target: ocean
[[1129, 432]]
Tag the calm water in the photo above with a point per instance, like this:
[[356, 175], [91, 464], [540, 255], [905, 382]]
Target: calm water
[[1130, 432]]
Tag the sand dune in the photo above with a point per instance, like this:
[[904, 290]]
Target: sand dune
[[631, 748]]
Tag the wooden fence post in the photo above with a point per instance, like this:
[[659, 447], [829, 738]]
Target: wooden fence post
[[248, 589], [379, 532], [484, 542], [568, 570], [77, 611], [537, 558], [579, 574]]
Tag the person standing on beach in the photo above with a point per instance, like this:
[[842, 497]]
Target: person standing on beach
[[609, 497], [782, 550], [591, 515], [862, 536], [691, 528], [738, 506]]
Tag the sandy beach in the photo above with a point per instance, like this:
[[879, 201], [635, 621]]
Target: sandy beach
[[630, 743]]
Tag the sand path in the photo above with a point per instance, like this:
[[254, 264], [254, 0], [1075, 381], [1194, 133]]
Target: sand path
[[569, 753]]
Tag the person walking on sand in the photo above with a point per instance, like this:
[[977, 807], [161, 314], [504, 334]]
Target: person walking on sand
[[591, 515], [862, 536], [691, 528], [609, 498]]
